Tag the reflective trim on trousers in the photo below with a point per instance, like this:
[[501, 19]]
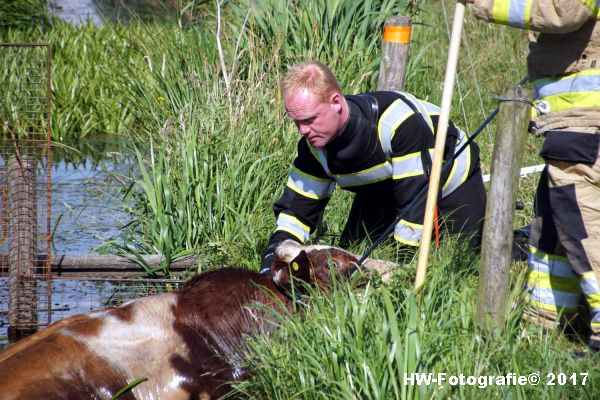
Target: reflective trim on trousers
[[549, 263], [408, 233], [591, 289], [293, 226], [546, 281], [310, 186], [553, 300], [551, 282]]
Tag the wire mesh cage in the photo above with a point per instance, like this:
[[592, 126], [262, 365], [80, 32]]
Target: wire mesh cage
[[25, 181], [72, 296]]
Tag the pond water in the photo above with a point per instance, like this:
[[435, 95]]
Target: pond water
[[75, 11], [86, 211]]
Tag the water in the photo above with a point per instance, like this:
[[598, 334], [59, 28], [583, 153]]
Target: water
[[76, 12], [86, 211], [86, 205]]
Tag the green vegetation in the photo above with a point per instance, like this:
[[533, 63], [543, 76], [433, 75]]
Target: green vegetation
[[199, 107]]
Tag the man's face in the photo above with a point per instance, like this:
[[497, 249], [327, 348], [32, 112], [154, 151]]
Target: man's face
[[318, 121]]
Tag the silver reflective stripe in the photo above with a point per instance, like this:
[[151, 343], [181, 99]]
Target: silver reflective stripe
[[322, 157], [293, 226], [589, 284], [548, 265], [408, 165], [408, 233], [578, 83], [460, 169], [554, 297], [374, 174], [390, 120], [516, 13], [421, 108], [310, 186]]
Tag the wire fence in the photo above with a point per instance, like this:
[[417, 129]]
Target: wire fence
[[25, 165]]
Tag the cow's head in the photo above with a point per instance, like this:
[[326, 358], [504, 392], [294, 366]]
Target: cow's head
[[314, 265]]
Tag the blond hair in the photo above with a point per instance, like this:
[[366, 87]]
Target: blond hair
[[313, 76]]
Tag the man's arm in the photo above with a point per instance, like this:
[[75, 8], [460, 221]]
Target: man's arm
[[304, 198], [549, 16]]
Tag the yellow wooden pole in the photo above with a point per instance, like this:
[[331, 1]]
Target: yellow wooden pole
[[440, 141]]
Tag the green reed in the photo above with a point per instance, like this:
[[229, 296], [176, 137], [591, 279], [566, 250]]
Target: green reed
[[357, 343]]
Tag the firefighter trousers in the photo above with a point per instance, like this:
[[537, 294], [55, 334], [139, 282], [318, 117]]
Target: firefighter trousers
[[564, 260]]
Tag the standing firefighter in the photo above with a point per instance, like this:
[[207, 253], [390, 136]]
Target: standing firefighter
[[379, 146], [564, 70]]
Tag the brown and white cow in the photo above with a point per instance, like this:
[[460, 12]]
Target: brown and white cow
[[188, 344]]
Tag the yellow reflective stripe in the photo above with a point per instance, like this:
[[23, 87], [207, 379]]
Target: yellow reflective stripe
[[293, 226], [319, 154], [516, 13], [422, 108], [593, 300], [550, 307], [591, 289], [408, 165], [308, 185], [408, 232], [367, 176], [547, 281], [565, 101], [390, 120], [291, 232], [553, 297], [591, 4], [500, 11], [546, 256], [462, 165]]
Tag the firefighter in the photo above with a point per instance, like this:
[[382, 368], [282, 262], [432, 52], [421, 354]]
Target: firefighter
[[378, 145], [564, 71]]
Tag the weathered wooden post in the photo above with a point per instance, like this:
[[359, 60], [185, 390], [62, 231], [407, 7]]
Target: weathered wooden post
[[497, 231], [394, 53], [22, 253]]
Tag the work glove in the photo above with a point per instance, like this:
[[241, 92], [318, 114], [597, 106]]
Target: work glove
[[267, 259]]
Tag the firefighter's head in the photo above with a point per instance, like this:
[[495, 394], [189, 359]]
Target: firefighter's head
[[313, 100]]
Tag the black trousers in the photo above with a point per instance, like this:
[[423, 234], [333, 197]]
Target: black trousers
[[462, 212]]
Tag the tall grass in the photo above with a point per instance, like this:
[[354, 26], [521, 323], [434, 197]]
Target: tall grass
[[213, 147], [360, 343], [23, 13]]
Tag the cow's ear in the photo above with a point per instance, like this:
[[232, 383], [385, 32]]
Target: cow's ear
[[301, 266]]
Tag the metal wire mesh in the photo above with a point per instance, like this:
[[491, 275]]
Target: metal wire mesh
[[70, 296], [25, 181]]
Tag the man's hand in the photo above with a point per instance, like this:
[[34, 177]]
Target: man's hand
[[267, 259]]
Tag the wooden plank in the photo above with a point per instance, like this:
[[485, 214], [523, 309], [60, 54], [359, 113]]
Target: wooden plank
[[96, 265]]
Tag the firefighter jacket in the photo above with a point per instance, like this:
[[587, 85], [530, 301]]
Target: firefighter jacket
[[564, 57], [383, 150]]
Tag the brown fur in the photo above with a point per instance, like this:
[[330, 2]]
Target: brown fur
[[188, 344]]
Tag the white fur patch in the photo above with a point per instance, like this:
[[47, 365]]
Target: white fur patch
[[289, 249]]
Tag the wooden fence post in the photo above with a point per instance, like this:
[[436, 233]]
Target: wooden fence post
[[22, 253], [509, 144], [394, 53]]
